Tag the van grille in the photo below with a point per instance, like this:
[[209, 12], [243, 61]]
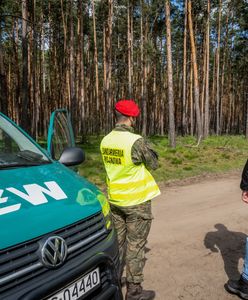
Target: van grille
[[19, 264]]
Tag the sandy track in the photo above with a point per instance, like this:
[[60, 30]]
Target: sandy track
[[197, 240]]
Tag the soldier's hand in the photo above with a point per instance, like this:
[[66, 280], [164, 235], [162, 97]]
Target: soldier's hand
[[245, 196]]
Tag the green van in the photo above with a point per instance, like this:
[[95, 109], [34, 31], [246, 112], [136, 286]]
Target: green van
[[57, 241]]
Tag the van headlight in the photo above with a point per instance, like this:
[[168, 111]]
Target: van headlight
[[105, 210]]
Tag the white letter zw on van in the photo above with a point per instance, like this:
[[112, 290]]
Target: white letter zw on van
[[35, 195]]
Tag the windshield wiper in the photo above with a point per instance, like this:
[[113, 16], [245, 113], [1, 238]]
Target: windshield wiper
[[17, 165], [30, 156]]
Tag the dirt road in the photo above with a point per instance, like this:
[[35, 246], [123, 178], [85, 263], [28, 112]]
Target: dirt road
[[197, 240]]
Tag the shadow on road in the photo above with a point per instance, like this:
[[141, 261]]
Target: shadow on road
[[231, 245]]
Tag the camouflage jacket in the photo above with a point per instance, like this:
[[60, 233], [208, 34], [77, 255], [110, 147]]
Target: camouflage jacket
[[141, 151]]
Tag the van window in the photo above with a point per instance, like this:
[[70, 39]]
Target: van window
[[16, 149], [61, 136]]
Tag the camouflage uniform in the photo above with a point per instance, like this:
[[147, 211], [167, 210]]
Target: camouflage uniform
[[141, 151], [133, 223]]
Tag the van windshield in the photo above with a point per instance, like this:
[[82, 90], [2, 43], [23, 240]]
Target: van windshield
[[16, 150]]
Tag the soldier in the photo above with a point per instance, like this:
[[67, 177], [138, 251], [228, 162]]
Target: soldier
[[131, 187]]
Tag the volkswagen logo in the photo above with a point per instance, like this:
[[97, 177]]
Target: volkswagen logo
[[53, 252]]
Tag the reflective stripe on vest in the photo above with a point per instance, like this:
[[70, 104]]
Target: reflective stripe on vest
[[128, 184]]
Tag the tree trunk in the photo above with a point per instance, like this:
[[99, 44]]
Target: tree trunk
[[17, 106], [218, 74], [195, 69], [203, 81], [184, 126], [108, 93], [213, 91], [3, 83], [206, 119], [225, 48], [130, 47], [142, 60], [191, 99], [24, 91], [96, 62], [246, 127], [72, 71], [145, 70], [81, 88], [172, 138], [35, 96], [66, 59]]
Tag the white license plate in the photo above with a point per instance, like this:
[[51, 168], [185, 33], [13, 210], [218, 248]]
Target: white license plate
[[79, 288]]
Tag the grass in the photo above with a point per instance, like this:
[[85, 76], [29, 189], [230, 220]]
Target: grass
[[214, 155]]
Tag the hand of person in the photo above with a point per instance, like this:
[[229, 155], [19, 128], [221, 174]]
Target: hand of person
[[245, 196]]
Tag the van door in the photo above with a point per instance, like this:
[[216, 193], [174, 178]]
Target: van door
[[60, 133]]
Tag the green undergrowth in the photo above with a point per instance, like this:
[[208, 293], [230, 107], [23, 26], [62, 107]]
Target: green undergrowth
[[213, 155]]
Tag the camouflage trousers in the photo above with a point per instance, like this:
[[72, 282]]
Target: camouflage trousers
[[133, 225]]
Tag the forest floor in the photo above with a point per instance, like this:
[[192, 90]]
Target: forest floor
[[197, 240], [213, 155]]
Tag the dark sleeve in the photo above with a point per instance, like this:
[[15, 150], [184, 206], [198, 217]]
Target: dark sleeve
[[244, 178], [143, 153]]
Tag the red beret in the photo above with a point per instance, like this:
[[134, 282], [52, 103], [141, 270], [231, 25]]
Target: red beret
[[128, 108]]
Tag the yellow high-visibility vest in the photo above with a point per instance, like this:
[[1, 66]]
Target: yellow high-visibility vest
[[128, 184]]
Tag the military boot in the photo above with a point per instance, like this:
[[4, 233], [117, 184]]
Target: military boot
[[136, 292]]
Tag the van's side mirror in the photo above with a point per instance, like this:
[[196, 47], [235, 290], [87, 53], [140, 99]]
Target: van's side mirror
[[72, 156]]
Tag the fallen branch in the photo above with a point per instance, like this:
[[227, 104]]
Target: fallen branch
[[195, 146]]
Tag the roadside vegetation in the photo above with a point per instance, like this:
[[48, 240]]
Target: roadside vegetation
[[216, 154]]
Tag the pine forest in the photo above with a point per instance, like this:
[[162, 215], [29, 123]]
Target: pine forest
[[184, 62]]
